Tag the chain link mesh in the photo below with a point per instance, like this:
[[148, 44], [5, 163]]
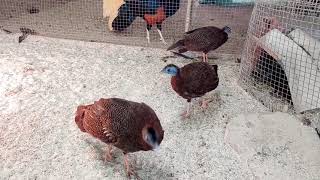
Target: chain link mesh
[[281, 59], [90, 20]]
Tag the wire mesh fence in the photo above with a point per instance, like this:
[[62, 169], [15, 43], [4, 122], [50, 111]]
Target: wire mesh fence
[[281, 60], [100, 20]]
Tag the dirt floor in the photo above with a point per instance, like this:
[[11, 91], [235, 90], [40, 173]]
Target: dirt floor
[[82, 19], [43, 80]]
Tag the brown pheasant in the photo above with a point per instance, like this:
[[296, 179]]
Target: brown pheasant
[[203, 40], [192, 81], [127, 125]]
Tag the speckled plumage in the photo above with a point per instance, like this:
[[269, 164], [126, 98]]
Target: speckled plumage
[[119, 122], [195, 80], [203, 39]]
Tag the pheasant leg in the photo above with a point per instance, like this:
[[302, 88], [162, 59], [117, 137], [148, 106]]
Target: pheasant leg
[[203, 57], [130, 171], [204, 103], [186, 114], [108, 156]]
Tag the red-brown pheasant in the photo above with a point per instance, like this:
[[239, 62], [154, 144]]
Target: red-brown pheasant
[[127, 125], [193, 80], [204, 39]]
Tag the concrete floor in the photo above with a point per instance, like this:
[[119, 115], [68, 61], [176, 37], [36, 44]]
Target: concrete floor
[[43, 80]]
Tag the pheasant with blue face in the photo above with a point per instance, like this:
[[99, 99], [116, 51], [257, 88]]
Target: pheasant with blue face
[[192, 81]]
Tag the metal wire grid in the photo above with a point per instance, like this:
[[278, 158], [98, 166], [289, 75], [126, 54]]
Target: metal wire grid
[[220, 14], [281, 60], [83, 20]]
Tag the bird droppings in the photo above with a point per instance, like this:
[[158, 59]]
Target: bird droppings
[[39, 138]]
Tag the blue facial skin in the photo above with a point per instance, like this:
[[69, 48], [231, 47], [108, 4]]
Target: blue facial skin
[[173, 71]]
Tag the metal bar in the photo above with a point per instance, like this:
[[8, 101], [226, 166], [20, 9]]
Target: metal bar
[[188, 15]]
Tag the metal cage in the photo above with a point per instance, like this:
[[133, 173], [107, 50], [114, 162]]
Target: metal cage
[[91, 20], [281, 60]]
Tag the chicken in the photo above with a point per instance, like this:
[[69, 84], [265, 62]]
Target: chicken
[[193, 80], [154, 12], [127, 125], [110, 9], [203, 39]]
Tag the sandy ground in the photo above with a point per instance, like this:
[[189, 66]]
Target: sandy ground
[[275, 146], [43, 80]]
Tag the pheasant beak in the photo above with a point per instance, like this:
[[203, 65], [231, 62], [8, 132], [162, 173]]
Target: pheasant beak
[[155, 147]]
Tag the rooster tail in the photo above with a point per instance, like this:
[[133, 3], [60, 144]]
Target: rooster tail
[[177, 44], [79, 117], [106, 8], [171, 7], [110, 7], [126, 15]]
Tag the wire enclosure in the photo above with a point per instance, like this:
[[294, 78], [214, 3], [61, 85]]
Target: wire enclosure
[[90, 20], [281, 60]]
